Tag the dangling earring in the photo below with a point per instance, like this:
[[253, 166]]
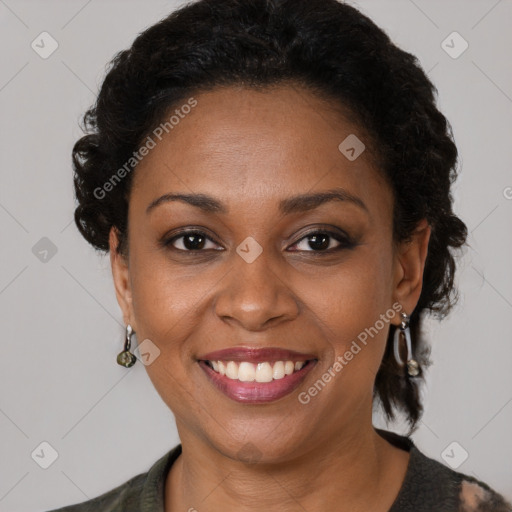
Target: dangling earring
[[413, 368], [126, 358]]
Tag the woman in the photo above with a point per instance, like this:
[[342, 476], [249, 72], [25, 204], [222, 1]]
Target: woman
[[272, 180]]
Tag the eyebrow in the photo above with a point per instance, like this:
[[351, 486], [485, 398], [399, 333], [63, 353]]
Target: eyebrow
[[294, 204]]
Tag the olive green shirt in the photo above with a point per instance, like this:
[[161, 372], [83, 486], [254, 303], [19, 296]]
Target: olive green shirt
[[428, 486]]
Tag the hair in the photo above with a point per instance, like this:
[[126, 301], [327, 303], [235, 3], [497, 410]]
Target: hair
[[326, 47]]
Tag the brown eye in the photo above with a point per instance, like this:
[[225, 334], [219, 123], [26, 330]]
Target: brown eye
[[322, 241], [189, 241]]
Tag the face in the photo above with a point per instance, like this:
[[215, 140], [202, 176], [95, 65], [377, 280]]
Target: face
[[253, 267]]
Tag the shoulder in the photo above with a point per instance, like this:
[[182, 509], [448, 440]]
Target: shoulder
[[142, 493], [477, 496], [123, 497], [431, 485], [447, 487]]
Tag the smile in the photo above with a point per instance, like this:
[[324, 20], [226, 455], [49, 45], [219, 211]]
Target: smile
[[256, 375], [260, 372]]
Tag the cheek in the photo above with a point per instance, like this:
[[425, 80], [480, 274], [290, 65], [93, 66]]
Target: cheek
[[164, 298], [353, 307], [164, 307], [353, 297]]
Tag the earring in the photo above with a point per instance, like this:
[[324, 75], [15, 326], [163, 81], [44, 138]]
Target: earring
[[413, 368], [126, 358]]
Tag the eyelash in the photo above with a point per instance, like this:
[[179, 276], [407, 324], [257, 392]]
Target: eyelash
[[345, 241]]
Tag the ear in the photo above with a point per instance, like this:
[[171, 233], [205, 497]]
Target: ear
[[409, 263], [121, 276]]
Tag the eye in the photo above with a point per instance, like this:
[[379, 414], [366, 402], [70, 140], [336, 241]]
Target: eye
[[321, 241], [318, 241], [189, 241]]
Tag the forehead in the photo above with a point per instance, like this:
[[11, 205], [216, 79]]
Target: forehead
[[248, 147]]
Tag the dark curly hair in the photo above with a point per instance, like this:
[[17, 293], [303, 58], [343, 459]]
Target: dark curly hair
[[334, 51]]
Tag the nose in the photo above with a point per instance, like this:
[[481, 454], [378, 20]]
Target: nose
[[254, 296]]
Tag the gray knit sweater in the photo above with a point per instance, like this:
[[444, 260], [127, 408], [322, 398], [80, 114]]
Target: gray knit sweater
[[428, 486]]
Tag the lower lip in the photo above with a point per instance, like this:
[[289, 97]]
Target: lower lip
[[257, 392]]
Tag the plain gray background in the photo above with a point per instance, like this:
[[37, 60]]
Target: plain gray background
[[62, 327]]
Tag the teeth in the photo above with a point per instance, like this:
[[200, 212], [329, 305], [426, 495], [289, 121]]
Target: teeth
[[246, 372], [278, 372], [261, 372], [232, 370]]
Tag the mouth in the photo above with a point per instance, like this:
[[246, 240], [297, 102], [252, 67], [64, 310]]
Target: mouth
[[256, 375], [265, 371]]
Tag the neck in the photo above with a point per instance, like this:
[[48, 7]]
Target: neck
[[355, 472]]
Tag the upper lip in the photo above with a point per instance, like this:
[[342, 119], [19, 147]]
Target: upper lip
[[255, 355]]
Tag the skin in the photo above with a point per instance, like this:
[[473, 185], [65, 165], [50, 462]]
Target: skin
[[250, 150]]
